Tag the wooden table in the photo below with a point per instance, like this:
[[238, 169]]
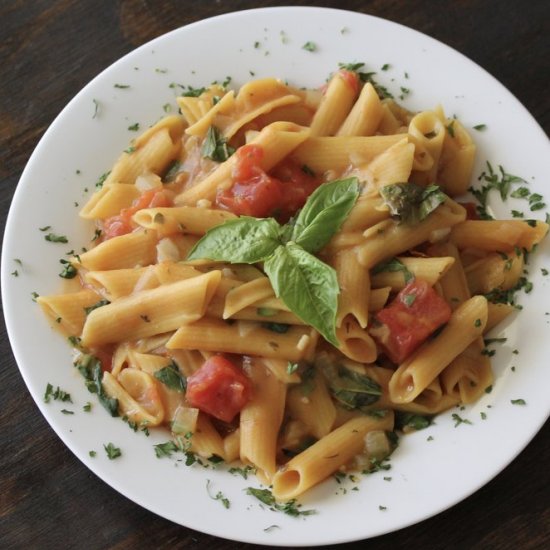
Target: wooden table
[[48, 51]]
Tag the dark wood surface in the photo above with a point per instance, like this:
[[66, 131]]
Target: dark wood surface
[[51, 49]]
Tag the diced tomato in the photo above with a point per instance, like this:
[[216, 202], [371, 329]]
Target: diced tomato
[[255, 193], [121, 224], [105, 356], [297, 184], [219, 388], [416, 312]]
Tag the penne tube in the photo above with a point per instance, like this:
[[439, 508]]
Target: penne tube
[[109, 201], [326, 456], [496, 271], [245, 295], [150, 312], [336, 104], [127, 251], [497, 313], [315, 410], [137, 396], [390, 238], [247, 338], [116, 283], [261, 419], [417, 372], [354, 283], [181, 219], [322, 154], [496, 235], [427, 269], [365, 115], [206, 441], [429, 133], [68, 311], [355, 342]]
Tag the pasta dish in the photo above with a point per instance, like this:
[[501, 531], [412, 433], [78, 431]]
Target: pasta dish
[[287, 277]]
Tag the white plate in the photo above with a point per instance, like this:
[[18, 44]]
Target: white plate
[[427, 476]]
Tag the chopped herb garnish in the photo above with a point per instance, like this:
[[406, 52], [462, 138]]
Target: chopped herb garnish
[[393, 266], [92, 453], [215, 146], [412, 420], [291, 367], [385, 67], [112, 451], [87, 407], [483, 415], [101, 180], [130, 150], [459, 420], [518, 402], [280, 328], [290, 507], [480, 127], [244, 471], [53, 238], [101, 303], [122, 86], [309, 46], [409, 299], [193, 92], [66, 411], [69, 271], [165, 449], [450, 128], [171, 377], [90, 367], [45, 228], [57, 395], [380, 507], [219, 496], [134, 127]]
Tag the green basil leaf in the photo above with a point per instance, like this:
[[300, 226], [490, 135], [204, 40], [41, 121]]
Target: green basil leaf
[[352, 389], [215, 146], [172, 378], [307, 286], [242, 240], [324, 212], [412, 203]]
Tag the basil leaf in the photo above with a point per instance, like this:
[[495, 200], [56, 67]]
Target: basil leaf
[[307, 286], [412, 203], [243, 240], [323, 214], [352, 389], [171, 377], [215, 146]]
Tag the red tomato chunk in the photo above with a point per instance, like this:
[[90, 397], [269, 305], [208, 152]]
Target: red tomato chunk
[[121, 224], [258, 194], [219, 388], [416, 312]]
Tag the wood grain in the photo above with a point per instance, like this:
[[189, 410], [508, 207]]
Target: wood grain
[[48, 51]]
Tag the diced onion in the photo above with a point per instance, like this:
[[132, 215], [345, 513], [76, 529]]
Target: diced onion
[[147, 181], [167, 251]]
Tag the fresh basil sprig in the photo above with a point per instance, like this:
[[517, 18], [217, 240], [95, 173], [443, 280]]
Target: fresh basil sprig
[[304, 283], [412, 203]]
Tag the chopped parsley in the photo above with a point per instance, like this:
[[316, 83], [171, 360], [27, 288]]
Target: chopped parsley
[[411, 203], [291, 507], [244, 471], [53, 238], [291, 367], [112, 451], [459, 420], [219, 496], [215, 146], [69, 271], [480, 127], [309, 46], [57, 395], [87, 407], [393, 266], [518, 402], [101, 303], [92, 453], [134, 127], [122, 86]]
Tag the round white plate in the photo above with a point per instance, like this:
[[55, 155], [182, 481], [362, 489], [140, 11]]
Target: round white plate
[[428, 476]]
